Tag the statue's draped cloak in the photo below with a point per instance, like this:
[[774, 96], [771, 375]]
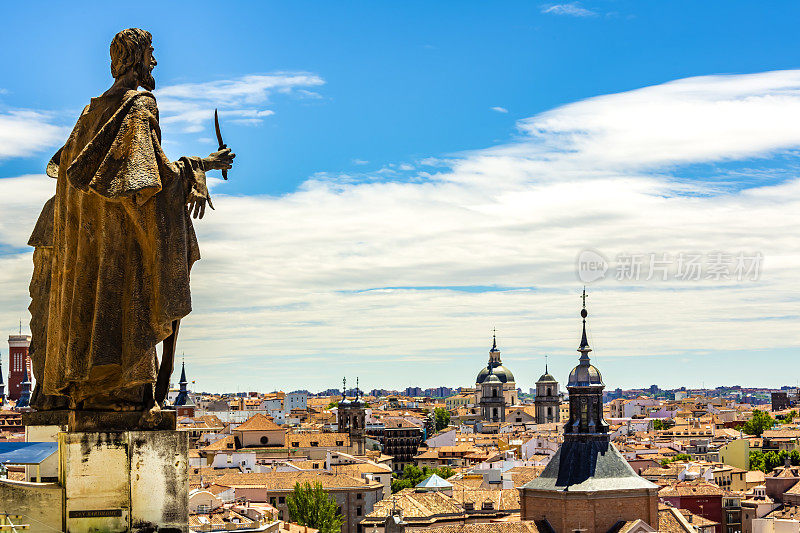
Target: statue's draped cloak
[[119, 248]]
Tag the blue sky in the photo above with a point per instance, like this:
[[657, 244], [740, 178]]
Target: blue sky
[[455, 147]]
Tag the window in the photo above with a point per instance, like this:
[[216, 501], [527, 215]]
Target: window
[[468, 506], [340, 443], [264, 440], [359, 496], [295, 444], [281, 499], [272, 501], [358, 511], [314, 444], [280, 515]]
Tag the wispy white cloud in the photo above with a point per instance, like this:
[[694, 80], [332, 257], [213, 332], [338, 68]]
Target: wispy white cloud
[[188, 106], [356, 271], [500, 109], [26, 132], [572, 9]]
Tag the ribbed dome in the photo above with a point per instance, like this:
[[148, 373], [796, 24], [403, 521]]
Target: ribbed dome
[[492, 378], [502, 373], [547, 378], [585, 375]]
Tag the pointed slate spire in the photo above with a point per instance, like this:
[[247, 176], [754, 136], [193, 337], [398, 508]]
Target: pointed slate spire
[[584, 347], [183, 393], [25, 392], [183, 381]]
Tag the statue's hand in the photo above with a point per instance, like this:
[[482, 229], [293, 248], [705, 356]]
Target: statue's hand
[[220, 160], [198, 196]]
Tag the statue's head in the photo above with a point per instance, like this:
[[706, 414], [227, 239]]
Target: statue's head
[[132, 54]]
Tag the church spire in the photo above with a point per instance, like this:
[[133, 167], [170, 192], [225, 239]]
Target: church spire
[[183, 381], [584, 347]]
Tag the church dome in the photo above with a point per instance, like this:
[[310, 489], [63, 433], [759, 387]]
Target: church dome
[[495, 367], [492, 378], [503, 374], [547, 378], [585, 375]]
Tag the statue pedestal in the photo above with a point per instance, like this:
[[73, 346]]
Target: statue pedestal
[[124, 480]]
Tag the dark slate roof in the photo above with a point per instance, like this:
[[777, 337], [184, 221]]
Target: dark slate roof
[[502, 373], [26, 453], [588, 466]]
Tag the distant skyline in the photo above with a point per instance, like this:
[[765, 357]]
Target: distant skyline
[[410, 176]]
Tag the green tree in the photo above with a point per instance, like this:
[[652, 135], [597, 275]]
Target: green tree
[[413, 476], [311, 506], [677, 457], [442, 418], [760, 422], [771, 460], [794, 457], [658, 425], [757, 461], [334, 403]]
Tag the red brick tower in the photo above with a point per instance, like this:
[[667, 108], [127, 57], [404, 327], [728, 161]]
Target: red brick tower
[[19, 364]]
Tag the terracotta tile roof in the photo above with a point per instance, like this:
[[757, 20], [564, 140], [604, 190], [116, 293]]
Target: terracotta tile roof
[[285, 481], [670, 522], [322, 440], [357, 469], [417, 506], [691, 488], [522, 474], [781, 434], [502, 499], [428, 454], [795, 489], [258, 422], [225, 443], [697, 520], [786, 472], [487, 527]]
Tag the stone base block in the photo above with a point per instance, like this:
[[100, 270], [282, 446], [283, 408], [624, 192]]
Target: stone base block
[[125, 481], [99, 421]]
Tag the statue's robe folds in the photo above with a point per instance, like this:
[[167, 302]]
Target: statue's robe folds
[[117, 254]]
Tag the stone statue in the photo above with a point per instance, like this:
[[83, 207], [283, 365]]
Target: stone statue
[[113, 249]]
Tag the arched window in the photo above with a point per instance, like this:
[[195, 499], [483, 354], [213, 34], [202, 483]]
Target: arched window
[[494, 413], [494, 393], [549, 391]]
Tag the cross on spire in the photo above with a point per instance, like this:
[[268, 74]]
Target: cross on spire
[[545, 363], [583, 296]]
